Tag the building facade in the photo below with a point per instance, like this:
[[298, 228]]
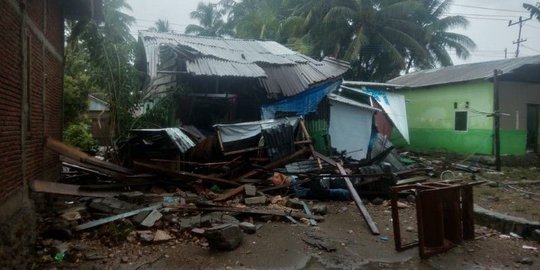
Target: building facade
[[451, 109]]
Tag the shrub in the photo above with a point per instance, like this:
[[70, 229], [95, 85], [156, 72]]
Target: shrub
[[79, 134]]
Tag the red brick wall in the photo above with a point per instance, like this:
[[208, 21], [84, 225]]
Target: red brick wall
[[44, 93], [10, 100]]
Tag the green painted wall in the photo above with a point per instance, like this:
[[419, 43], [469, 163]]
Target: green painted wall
[[430, 114], [513, 142]]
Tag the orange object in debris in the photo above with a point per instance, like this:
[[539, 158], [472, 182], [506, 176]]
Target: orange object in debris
[[280, 179]]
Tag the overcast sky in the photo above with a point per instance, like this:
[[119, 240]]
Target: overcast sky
[[488, 23]]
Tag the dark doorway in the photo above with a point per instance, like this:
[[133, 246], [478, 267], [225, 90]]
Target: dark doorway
[[532, 127]]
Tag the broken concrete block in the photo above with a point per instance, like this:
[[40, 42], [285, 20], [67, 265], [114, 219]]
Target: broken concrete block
[[162, 236], [146, 236], [536, 235], [71, 216], [132, 197], [224, 237], [248, 227], [255, 200], [147, 218], [377, 201], [250, 190], [319, 209], [295, 203]]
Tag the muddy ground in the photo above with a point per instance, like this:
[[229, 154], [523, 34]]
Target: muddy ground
[[279, 245]]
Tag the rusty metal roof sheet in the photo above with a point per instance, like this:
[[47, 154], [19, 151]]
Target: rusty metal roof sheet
[[281, 70], [462, 73]]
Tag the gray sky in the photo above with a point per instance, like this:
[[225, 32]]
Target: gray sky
[[488, 23]]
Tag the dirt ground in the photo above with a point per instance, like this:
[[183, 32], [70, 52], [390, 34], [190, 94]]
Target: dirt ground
[[279, 245]]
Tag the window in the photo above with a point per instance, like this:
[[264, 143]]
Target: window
[[460, 123]]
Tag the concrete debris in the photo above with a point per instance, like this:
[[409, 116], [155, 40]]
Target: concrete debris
[[250, 190], [255, 200], [147, 218], [71, 216], [247, 227], [162, 236], [319, 240], [146, 236], [224, 237], [319, 209]]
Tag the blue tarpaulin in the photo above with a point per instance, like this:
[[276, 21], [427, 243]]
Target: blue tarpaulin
[[301, 104]]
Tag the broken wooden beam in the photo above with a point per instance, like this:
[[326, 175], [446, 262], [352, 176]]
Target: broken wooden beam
[[365, 214], [229, 194], [275, 164], [182, 174], [102, 221], [78, 155], [251, 211], [371, 224]]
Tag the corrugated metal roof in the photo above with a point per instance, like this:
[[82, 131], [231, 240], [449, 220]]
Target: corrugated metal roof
[[281, 70], [182, 141], [216, 67], [462, 73]]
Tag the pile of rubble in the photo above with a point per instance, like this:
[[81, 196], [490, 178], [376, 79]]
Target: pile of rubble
[[175, 185]]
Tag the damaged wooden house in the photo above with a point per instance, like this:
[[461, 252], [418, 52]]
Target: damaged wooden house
[[226, 80]]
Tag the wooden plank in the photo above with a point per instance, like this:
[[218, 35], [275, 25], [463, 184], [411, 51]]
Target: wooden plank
[[308, 138], [371, 224], [412, 180], [325, 158], [231, 193], [78, 155], [193, 176], [251, 211], [102, 221], [66, 189]]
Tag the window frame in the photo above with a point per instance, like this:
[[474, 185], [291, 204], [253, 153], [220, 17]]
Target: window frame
[[466, 119]]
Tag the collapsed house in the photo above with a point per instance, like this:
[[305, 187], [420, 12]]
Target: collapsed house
[[346, 116], [226, 80]]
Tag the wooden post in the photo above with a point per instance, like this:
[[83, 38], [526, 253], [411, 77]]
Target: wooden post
[[496, 120]]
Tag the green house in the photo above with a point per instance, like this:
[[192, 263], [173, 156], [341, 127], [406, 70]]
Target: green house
[[451, 109]]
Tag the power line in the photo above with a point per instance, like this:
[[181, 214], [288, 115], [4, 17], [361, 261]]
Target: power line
[[485, 8], [534, 50]]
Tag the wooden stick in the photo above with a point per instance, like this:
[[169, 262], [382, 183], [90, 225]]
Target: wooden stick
[[251, 211], [231, 193], [308, 138], [358, 201], [172, 173]]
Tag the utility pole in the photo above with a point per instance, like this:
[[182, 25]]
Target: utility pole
[[505, 53], [496, 120], [519, 40]]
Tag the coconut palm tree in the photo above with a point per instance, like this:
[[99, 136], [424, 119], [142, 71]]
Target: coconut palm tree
[[211, 22], [534, 10], [161, 26], [436, 37]]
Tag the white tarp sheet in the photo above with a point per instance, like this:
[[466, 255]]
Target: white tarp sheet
[[350, 126], [241, 131]]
